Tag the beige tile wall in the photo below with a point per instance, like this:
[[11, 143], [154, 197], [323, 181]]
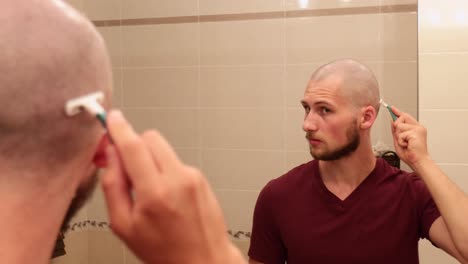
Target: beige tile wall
[[443, 49], [76, 246], [321, 4], [226, 93], [103, 247], [102, 9], [78, 4], [158, 8], [215, 7], [227, 86], [173, 45], [253, 42], [320, 39]]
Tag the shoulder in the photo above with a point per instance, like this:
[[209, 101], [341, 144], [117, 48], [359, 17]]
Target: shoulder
[[388, 173], [402, 180], [290, 182]]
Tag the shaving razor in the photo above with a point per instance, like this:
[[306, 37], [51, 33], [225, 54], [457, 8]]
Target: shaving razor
[[91, 103], [389, 108]]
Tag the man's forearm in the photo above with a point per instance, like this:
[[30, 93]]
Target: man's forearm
[[451, 201]]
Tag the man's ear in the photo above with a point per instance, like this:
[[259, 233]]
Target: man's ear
[[100, 157], [368, 116]]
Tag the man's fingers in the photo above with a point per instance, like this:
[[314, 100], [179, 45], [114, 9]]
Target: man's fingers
[[396, 111], [404, 138], [403, 127], [163, 154], [117, 194], [135, 155], [403, 117]]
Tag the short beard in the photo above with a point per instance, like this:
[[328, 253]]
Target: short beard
[[82, 195], [354, 140]]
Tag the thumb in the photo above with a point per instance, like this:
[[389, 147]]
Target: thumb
[[117, 193], [396, 111]]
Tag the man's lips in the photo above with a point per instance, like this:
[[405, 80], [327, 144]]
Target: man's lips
[[313, 141]]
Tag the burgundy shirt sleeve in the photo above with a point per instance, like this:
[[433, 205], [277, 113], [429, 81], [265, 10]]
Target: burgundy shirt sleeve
[[265, 244], [427, 209]]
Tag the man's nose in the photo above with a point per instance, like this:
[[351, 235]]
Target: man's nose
[[310, 122]]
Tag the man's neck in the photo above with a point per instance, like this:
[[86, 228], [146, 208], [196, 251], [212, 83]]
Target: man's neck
[[30, 218], [344, 175]]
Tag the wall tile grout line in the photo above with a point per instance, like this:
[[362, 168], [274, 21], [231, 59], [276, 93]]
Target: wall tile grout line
[[259, 15]]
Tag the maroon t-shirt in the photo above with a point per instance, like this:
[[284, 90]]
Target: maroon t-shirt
[[298, 220]]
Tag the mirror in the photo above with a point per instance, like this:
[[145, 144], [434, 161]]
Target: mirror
[[222, 80]]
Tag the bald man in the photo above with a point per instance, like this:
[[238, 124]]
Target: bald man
[[347, 206], [51, 54], [162, 209]]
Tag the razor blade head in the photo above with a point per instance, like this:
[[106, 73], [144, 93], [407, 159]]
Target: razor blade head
[[383, 103], [76, 105]]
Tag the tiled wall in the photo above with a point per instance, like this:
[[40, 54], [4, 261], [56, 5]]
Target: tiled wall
[[225, 89], [443, 96]]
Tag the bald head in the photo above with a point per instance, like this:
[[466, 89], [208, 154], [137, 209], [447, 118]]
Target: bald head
[[49, 54], [356, 82]]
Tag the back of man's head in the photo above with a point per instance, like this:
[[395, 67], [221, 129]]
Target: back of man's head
[[49, 54]]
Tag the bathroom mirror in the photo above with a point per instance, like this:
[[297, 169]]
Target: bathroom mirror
[[223, 79]]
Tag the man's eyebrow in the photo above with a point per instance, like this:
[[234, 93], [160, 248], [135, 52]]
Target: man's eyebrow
[[323, 102], [304, 103]]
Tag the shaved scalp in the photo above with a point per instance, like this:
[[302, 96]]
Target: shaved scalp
[[49, 53], [358, 83]]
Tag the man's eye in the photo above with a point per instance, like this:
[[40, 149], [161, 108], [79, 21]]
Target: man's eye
[[306, 109], [324, 110]]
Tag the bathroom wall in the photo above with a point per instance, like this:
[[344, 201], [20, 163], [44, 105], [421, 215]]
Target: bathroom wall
[[222, 80], [443, 96]]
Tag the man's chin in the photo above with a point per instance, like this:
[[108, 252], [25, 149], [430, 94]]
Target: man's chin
[[319, 154], [329, 157], [334, 155]]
